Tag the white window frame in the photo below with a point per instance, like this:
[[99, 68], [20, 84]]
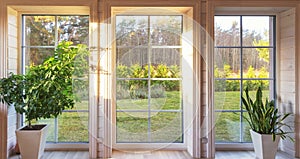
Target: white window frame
[[185, 109], [59, 11], [247, 11]]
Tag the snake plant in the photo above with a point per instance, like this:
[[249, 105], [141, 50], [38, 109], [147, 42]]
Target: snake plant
[[264, 117]]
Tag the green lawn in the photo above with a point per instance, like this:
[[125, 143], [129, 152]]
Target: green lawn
[[230, 100], [228, 123], [165, 126], [72, 126]]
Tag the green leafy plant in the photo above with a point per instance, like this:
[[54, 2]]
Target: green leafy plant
[[264, 118], [45, 90], [234, 85]]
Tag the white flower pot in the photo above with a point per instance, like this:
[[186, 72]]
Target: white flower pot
[[31, 142], [264, 146]]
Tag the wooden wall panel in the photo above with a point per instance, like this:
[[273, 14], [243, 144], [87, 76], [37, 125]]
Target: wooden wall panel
[[12, 67], [3, 73], [93, 79], [48, 3], [9, 53], [287, 74], [297, 106], [254, 3]]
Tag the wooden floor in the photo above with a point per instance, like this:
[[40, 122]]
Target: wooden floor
[[153, 155], [247, 155]]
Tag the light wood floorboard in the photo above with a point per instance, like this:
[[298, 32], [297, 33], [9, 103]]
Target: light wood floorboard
[[153, 155], [247, 155]]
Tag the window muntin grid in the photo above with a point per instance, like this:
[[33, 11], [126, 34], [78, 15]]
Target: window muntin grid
[[235, 48], [40, 36], [145, 44]]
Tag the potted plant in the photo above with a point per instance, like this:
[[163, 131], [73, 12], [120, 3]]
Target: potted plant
[[266, 124], [44, 91]]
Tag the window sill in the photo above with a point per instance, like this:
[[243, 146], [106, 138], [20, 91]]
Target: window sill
[[66, 146], [234, 146], [149, 146]]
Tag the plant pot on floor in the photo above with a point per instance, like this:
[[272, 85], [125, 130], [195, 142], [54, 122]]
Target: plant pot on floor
[[264, 146], [266, 123], [32, 141]]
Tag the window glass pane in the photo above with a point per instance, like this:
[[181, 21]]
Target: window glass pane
[[227, 30], [165, 95], [132, 94], [132, 63], [81, 90], [166, 127], [228, 127], [256, 30], [227, 63], [73, 28], [227, 94], [253, 85], [257, 62], [246, 129], [39, 30], [165, 30], [122, 90], [165, 57], [132, 127], [73, 127], [82, 105], [36, 56], [132, 30]]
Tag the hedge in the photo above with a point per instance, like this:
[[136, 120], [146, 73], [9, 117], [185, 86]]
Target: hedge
[[234, 85], [139, 88]]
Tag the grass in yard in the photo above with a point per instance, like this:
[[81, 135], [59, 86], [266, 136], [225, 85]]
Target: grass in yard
[[227, 128], [72, 126], [230, 100], [171, 101], [162, 126], [165, 126]]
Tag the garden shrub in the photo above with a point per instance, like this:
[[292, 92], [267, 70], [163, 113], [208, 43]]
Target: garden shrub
[[123, 71], [157, 91], [138, 88], [234, 85], [122, 89]]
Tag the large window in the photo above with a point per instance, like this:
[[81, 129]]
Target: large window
[[41, 34], [148, 79], [244, 57]]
